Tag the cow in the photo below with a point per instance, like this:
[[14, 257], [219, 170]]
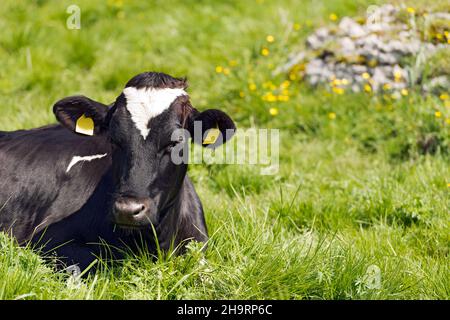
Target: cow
[[105, 174]]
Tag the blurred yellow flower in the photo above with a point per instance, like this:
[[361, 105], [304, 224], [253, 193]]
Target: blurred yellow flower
[[265, 52], [365, 75], [269, 96], [397, 75], [444, 96], [447, 121], [226, 71], [285, 92], [338, 90], [345, 82], [333, 17], [437, 114], [411, 10], [297, 26], [292, 76], [252, 86], [219, 69], [404, 92], [285, 84], [387, 86], [332, 115], [270, 38], [267, 84], [447, 103], [283, 98], [273, 111], [336, 82], [448, 185], [372, 63], [241, 94], [232, 63], [367, 88]]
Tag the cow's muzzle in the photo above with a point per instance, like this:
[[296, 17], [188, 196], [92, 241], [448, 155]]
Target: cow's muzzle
[[133, 212]]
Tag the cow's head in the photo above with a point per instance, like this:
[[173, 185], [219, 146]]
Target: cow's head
[[141, 126]]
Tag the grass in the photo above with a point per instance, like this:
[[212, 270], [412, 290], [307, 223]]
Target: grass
[[363, 182]]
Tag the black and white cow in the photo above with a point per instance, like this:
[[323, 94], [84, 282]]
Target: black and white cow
[[69, 193]]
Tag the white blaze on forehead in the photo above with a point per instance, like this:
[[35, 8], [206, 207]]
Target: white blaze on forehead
[[146, 103], [77, 159]]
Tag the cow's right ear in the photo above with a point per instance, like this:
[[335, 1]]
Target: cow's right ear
[[81, 114]]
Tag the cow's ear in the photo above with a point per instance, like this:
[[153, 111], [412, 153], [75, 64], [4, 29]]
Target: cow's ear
[[211, 128], [81, 114]]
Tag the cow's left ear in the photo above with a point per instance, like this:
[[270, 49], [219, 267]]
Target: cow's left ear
[[211, 128], [81, 114]]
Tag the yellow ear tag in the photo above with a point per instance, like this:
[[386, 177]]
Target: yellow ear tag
[[212, 136], [85, 125]]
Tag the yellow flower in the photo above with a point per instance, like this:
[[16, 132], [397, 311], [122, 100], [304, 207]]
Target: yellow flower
[[283, 98], [444, 96], [345, 82], [292, 76], [273, 111], [241, 94], [269, 96], [437, 114], [397, 76], [439, 36], [219, 69], [411, 10], [267, 84], [336, 82], [387, 86], [367, 88], [333, 16], [285, 84], [297, 26], [265, 52], [372, 63], [448, 185], [332, 115], [232, 63], [338, 90], [252, 86], [226, 71], [365, 75], [404, 92], [447, 103], [447, 121], [270, 38]]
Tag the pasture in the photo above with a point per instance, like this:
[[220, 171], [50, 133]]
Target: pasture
[[359, 208]]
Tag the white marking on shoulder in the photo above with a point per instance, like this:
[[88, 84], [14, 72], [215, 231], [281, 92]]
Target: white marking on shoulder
[[146, 103], [77, 159]]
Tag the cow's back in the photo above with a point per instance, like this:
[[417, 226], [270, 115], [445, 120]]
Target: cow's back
[[36, 187]]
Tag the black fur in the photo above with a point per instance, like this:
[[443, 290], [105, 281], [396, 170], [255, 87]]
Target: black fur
[[72, 213]]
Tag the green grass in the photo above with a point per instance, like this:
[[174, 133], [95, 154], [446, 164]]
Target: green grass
[[368, 188]]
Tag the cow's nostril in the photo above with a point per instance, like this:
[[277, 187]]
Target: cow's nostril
[[129, 206]]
